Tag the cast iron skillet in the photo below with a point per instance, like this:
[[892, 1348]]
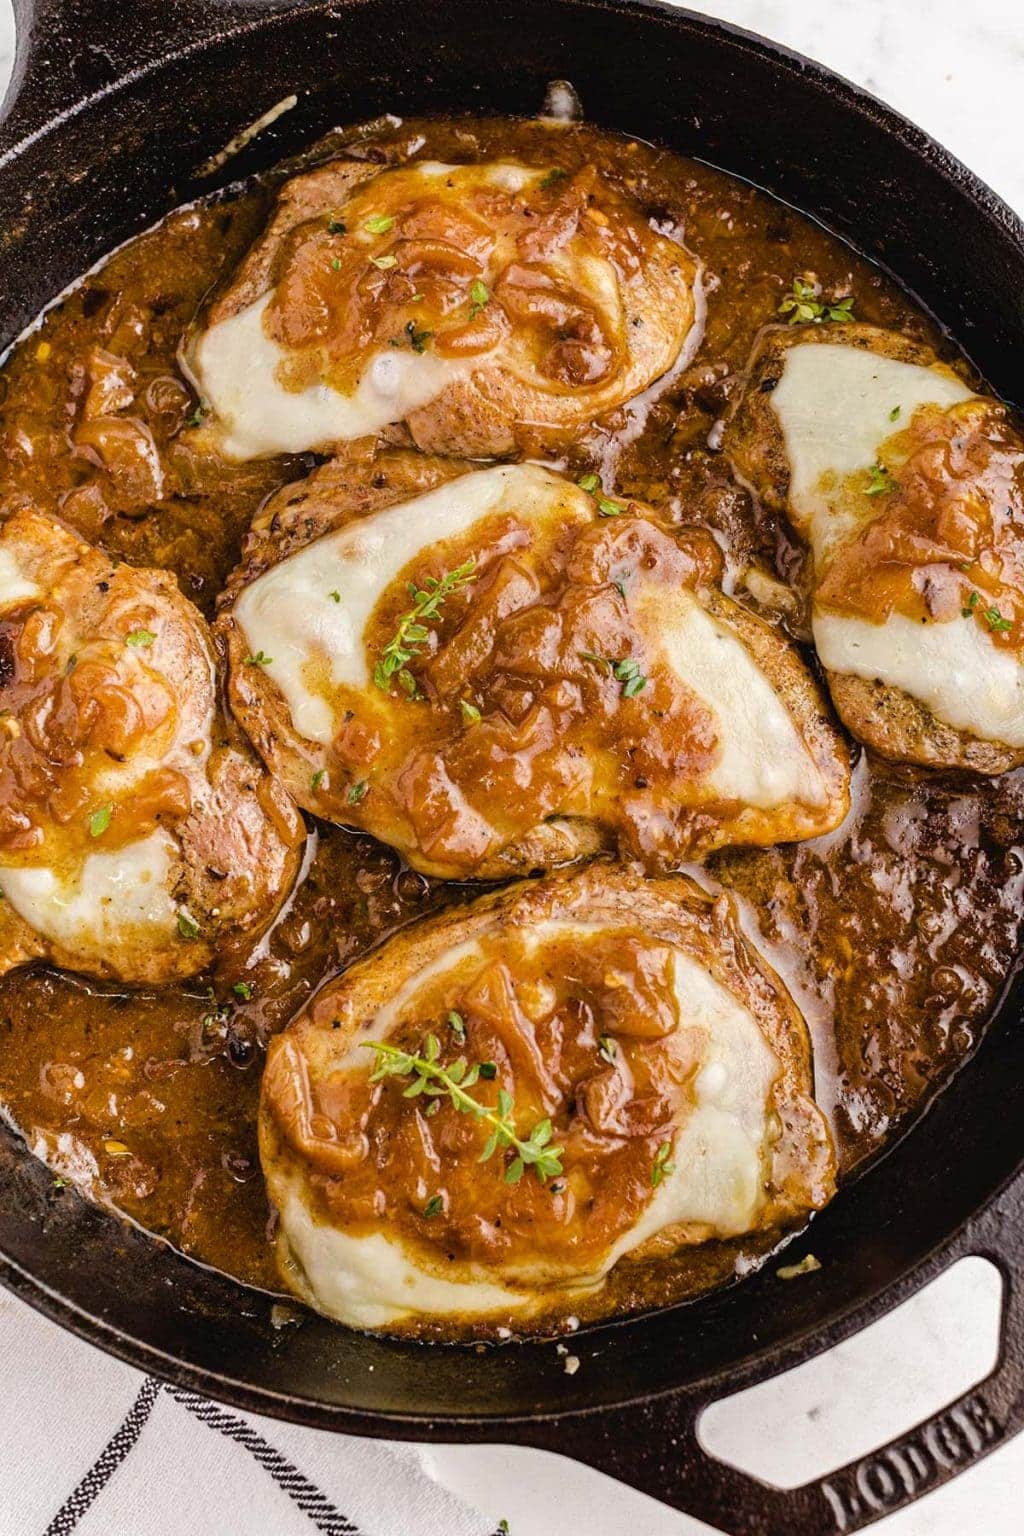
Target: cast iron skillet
[[110, 110]]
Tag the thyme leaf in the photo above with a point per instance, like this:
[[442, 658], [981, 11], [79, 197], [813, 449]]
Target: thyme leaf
[[417, 339], [803, 306], [662, 1165], [882, 481], [99, 821], [627, 672], [187, 925], [605, 506], [479, 298]]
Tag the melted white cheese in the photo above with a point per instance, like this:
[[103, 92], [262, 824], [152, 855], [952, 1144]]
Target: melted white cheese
[[763, 761], [720, 1152], [15, 587], [369, 1281], [721, 1149], [834, 404], [954, 668], [235, 365], [113, 899], [289, 615]]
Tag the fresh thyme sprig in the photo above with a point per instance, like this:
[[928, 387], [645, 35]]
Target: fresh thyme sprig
[[804, 307], [427, 602], [429, 1078]]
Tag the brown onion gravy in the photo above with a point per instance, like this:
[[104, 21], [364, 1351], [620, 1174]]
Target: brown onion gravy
[[896, 933]]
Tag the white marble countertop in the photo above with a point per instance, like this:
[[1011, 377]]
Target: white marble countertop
[[958, 71]]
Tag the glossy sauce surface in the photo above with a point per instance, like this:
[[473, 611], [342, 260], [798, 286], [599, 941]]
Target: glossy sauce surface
[[896, 933], [537, 1021]]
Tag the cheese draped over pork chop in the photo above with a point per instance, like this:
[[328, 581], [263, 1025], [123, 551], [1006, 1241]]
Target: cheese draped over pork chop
[[468, 301], [633, 1080], [492, 676], [909, 490], [138, 833]]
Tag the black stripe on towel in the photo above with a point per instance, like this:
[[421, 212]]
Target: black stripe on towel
[[316, 1505], [107, 1463]]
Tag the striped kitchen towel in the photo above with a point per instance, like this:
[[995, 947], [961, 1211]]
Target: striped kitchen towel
[[91, 1447]]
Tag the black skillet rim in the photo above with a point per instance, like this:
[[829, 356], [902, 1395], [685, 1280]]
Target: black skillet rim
[[757, 1363]]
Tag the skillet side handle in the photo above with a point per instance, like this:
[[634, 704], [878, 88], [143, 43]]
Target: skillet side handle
[[655, 1445], [69, 50]]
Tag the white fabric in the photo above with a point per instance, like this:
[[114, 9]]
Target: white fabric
[[194, 1469], [956, 70]]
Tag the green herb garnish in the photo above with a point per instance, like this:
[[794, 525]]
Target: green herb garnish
[[140, 637], [662, 1166], [318, 778], [417, 339], [99, 821], [412, 631], [627, 672], [605, 506], [607, 1049], [470, 713], [259, 660], [200, 413], [384, 263], [358, 792], [433, 1207], [335, 597], [337, 227], [804, 308], [479, 298], [894, 413], [187, 926], [378, 224], [457, 1025], [243, 990], [882, 481], [552, 178], [454, 1081], [996, 621]]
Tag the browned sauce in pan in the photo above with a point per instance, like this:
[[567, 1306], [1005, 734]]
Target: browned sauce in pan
[[896, 933]]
